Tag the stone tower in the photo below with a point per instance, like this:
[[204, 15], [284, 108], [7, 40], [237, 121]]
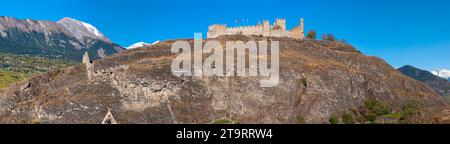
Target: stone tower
[[266, 27], [89, 65], [302, 30], [281, 23], [86, 58]]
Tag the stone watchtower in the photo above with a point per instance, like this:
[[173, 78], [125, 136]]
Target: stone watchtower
[[302, 29], [86, 58], [89, 65]]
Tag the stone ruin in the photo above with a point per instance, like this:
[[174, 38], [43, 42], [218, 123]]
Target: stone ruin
[[278, 29], [91, 73], [89, 65]]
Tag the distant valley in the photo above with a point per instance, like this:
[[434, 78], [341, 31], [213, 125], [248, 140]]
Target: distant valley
[[29, 47], [15, 67]]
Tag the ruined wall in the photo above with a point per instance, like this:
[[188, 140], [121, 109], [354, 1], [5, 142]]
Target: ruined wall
[[298, 32], [216, 30], [278, 29]]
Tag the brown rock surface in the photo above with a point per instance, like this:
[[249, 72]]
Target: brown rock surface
[[317, 80]]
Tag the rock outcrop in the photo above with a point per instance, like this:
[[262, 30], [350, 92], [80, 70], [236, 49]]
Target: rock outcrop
[[318, 80]]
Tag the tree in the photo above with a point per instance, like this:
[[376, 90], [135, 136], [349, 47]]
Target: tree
[[328, 37], [311, 34], [324, 37], [331, 37]]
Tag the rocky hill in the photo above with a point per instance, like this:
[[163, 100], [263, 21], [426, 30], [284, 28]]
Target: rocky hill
[[67, 39], [320, 82], [441, 85]]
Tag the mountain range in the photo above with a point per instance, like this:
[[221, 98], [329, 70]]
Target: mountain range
[[440, 84], [66, 39], [141, 44], [444, 73]]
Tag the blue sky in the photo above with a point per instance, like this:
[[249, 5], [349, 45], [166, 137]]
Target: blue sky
[[399, 31]]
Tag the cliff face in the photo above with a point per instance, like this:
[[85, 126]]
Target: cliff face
[[318, 80]]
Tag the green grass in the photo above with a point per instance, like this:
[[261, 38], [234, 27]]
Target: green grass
[[35, 122], [377, 107], [223, 121], [31, 64], [375, 111], [300, 119], [394, 115], [8, 77], [14, 67]]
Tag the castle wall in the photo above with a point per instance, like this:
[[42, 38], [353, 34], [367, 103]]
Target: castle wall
[[278, 29]]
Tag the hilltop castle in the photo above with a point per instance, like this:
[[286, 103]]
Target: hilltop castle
[[278, 29]]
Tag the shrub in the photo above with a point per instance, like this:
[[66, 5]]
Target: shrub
[[348, 118], [328, 37], [311, 35], [334, 120], [409, 109], [370, 117], [300, 120], [377, 107], [304, 82]]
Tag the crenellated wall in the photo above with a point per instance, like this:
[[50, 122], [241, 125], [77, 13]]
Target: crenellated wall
[[278, 29]]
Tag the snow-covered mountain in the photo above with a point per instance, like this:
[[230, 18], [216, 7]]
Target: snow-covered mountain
[[141, 44], [444, 73], [67, 39], [156, 42], [441, 85], [82, 30], [138, 44]]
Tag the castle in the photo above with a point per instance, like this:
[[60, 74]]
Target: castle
[[278, 29]]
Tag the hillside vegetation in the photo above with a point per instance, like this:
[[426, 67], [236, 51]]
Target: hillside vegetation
[[8, 77], [18, 67]]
